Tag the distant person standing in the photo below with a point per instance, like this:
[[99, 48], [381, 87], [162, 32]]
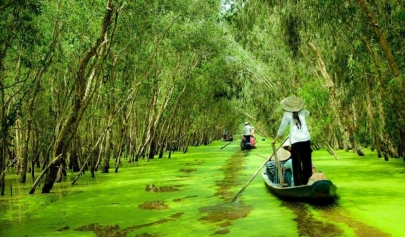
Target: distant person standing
[[246, 133], [289, 169], [225, 133], [300, 139]]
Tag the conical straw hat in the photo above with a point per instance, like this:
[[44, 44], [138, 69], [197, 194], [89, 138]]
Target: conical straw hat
[[286, 143], [292, 104], [283, 154]]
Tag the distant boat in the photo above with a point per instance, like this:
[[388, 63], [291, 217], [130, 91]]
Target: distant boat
[[248, 145], [322, 191], [228, 139]]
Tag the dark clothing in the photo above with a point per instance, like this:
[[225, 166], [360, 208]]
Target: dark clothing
[[247, 139], [301, 153]]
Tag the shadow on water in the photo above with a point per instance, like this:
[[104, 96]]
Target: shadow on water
[[153, 188], [222, 214], [332, 219], [116, 231], [232, 171], [336, 214], [308, 225], [327, 219]]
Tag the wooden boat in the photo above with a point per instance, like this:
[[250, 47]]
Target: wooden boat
[[248, 145], [322, 191], [228, 139]]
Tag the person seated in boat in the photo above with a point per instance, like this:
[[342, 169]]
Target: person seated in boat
[[272, 170], [252, 141], [316, 176], [288, 170], [229, 138], [287, 167], [252, 132]]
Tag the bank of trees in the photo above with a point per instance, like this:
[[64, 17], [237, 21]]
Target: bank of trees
[[84, 83], [343, 58]]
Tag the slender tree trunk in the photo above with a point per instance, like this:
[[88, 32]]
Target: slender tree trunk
[[35, 161], [383, 42], [18, 146], [107, 149], [333, 92], [120, 145], [69, 126], [376, 109], [37, 86], [3, 134]]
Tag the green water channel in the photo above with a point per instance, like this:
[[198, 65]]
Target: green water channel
[[190, 195]]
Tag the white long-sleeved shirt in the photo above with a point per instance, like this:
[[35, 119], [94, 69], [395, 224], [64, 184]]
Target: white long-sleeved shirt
[[296, 134], [246, 130]]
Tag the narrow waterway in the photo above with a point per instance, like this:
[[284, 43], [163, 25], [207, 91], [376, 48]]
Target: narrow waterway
[[190, 195]]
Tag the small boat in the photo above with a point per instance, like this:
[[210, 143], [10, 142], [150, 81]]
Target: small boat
[[321, 191], [228, 139], [248, 145]]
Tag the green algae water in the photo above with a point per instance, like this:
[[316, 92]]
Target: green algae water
[[190, 195]]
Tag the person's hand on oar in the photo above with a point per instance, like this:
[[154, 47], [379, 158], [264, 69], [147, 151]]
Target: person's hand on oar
[[273, 143]]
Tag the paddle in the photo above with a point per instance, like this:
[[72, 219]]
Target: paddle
[[226, 145], [280, 173], [257, 171]]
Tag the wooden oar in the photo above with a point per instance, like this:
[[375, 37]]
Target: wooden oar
[[280, 173], [254, 175], [265, 157], [226, 145]]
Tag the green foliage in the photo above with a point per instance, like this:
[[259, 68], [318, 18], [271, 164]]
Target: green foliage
[[347, 44], [292, 28]]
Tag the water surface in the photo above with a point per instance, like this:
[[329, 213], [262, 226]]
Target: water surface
[[190, 195]]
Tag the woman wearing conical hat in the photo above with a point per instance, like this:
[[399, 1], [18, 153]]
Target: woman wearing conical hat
[[299, 138], [283, 156]]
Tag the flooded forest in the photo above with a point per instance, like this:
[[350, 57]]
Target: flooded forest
[[88, 85]]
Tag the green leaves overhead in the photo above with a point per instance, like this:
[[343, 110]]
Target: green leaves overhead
[[347, 50]]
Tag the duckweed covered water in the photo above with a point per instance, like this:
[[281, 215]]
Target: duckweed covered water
[[190, 195]]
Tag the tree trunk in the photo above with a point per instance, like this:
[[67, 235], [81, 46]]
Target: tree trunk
[[383, 42], [81, 96], [107, 150], [35, 161], [333, 92]]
